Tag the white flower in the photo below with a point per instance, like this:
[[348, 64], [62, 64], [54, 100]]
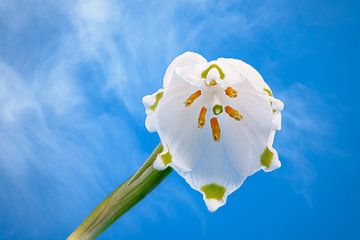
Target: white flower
[[216, 121]]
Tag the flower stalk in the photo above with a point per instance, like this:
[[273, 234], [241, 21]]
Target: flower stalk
[[122, 199]]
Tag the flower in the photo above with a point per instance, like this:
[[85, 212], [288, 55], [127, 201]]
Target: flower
[[216, 121]]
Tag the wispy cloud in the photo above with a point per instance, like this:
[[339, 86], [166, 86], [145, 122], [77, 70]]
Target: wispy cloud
[[53, 144], [307, 128]]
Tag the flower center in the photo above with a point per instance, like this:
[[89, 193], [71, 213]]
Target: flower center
[[212, 75]]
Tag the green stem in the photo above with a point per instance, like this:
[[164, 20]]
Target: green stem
[[122, 199]]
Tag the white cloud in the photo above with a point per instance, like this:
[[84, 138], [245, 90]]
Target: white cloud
[[12, 86], [53, 146], [307, 126]]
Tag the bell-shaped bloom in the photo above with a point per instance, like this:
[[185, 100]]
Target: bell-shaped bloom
[[216, 121]]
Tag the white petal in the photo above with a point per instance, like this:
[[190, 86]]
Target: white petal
[[183, 60], [277, 104], [277, 120], [248, 72], [192, 74], [213, 168], [150, 123], [257, 81], [213, 204], [178, 124], [150, 103], [245, 140], [275, 162], [232, 75]]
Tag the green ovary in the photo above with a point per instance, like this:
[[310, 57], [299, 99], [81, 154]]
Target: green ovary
[[217, 109]]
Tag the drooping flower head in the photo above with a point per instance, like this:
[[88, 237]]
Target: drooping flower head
[[216, 121]]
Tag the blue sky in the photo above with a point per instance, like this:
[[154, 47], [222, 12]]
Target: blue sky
[[72, 75]]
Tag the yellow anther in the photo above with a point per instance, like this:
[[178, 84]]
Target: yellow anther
[[192, 98], [233, 113], [230, 92], [215, 128], [201, 119]]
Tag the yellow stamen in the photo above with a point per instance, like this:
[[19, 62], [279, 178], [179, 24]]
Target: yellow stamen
[[192, 98], [215, 128], [201, 119], [233, 113], [230, 92]]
